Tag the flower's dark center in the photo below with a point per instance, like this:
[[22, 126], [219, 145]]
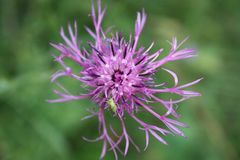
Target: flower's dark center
[[117, 76]]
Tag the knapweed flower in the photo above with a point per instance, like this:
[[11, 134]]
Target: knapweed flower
[[119, 77]]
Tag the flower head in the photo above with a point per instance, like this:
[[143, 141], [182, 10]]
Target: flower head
[[119, 77]]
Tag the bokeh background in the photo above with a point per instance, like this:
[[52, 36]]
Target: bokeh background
[[32, 129]]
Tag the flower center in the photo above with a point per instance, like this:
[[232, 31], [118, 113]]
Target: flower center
[[117, 76]]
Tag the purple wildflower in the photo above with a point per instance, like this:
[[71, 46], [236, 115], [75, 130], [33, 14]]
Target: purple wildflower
[[119, 77]]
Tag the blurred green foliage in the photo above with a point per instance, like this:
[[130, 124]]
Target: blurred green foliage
[[31, 128]]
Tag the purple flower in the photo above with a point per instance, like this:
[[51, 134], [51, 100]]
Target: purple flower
[[119, 79]]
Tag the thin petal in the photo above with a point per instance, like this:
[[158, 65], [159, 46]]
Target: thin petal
[[147, 140], [190, 84], [174, 75], [157, 137]]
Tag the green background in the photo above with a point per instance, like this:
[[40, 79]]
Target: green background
[[32, 129]]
